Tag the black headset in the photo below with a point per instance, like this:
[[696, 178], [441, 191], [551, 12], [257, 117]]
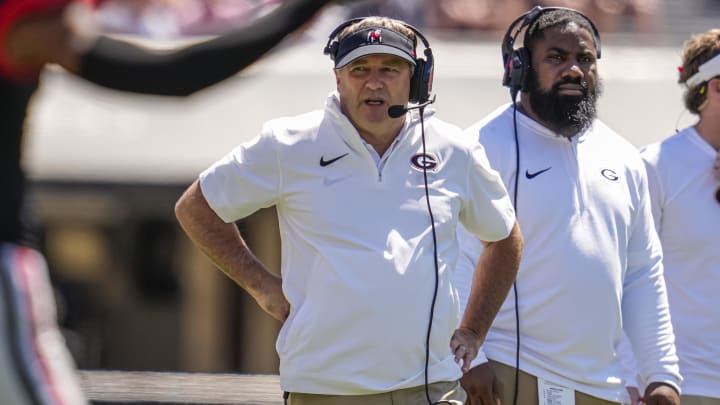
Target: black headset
[[517, 62], [421, 81]]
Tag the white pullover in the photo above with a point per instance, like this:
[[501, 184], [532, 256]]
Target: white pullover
[[687, 216], [591, 261], [357, 244]]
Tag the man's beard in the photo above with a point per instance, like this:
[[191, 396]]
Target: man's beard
[[566, 115]]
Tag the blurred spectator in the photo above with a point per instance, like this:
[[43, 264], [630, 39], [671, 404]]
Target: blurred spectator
[[152, 18], [411, 11], [221, 15], [173, 18], [493, 15], [496, 15], [609, 15]]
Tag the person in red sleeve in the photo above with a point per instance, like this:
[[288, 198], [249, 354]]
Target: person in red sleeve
[[35, 365]]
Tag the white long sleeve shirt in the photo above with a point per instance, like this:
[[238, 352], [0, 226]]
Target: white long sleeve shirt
[[591, 261], [687, 216], [357, 243]]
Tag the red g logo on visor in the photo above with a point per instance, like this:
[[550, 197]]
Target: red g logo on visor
[[374, 37]]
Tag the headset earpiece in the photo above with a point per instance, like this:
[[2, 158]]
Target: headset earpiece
[[516, 62], [331, 49], [517, 70], [421, 81]]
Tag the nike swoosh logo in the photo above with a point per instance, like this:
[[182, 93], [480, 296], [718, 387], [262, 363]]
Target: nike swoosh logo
[[532, 175], [324, 162]]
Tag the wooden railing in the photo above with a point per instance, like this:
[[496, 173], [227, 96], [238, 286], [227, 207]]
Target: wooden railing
[[123, 387]]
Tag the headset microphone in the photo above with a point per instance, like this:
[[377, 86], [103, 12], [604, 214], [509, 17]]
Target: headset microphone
[[397, 111]]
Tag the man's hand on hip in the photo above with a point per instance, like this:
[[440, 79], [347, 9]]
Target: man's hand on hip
[[481, 386], [658, 393]]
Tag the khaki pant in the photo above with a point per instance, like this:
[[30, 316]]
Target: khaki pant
[[695, 400], [448, 391], [528, 392]]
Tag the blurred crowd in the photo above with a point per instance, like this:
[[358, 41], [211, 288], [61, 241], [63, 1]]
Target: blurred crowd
[[496, 15], [172, 18], [169, 18]]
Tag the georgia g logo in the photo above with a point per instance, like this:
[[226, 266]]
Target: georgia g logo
[[610, 174], [422, 162], [374, 37]]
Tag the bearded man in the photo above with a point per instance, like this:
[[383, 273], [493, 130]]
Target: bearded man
[[592, 262]]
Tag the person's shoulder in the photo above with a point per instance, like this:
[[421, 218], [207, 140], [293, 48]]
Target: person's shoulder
[[670, 142], [612, 139], [608, 133], [493, 124], [651, 152], [304, 121], [294, 127], [448, 136], [668, 149], [610, 144], [292, 130], [442, 128]]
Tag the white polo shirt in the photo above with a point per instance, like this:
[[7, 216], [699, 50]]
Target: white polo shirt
[[687, 216], [591, 262], [357, 245]]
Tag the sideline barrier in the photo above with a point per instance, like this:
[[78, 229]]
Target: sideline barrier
[[168, 388]]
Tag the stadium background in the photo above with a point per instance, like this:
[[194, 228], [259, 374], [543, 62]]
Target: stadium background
[[107, 167]]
